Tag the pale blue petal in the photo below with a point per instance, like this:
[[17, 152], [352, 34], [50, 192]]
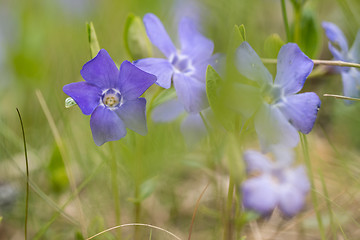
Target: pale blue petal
[[87, 96], [293, 67], [351, 83], [335, 35], [106, 126], [168, 111], [273, 128], [250, 65], [354, 53], [160, 67], [190, 92], [101, 71], [133, 81], [132, 113], [193, 129], [301, 110], [158, 35], [257, 162], [194, 44], [260, 194], [291, 200]]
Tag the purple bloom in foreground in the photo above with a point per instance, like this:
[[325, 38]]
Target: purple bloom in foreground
[[338, 46], [111, 97], [279, 113], [273, 185], [185, 67]]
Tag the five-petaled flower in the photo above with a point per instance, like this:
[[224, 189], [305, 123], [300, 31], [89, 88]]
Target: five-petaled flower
[[279, 112], [186, 67], [338, 46], [274, 184], [111, 97]]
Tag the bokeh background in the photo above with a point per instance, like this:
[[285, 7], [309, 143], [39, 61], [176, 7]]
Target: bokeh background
[[43, 46]]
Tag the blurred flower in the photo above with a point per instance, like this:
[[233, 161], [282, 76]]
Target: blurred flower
[[185, 67], [192, 127], [338, 46], [279, 111], [274, 184], [111, 97]]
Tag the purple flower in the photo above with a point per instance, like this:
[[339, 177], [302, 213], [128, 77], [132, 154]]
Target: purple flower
[[111, 97], [279, 112], [274, 184], [185, 67], [338, 46]]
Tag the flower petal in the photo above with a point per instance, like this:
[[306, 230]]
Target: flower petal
[[298, 178], [301, 110], [193, 129], [250, 65], [106, 126], [293, 67], [160, 67], [273, 128], [190, 92], [101, 71], [132, 113], [257, 162], [168, 111], [87, 96], [354, 52], [351, 83], [133, 81], [260, 194], [193, 43], [335, 35], [158, 35], [291, 200]]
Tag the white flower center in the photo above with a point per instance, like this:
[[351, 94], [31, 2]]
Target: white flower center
[[111, 98]]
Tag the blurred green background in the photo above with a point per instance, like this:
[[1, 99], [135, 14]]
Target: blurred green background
[[43, 46]]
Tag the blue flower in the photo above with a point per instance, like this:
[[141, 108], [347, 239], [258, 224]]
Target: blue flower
[[279, 112], [274, 184], [111, 97], [185, 67], [338, 46]]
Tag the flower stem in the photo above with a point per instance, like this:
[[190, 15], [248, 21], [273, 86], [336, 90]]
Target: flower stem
[[305, 148], [287, 30], [228, 217], [115, 189], [341, 97], [318, 62]]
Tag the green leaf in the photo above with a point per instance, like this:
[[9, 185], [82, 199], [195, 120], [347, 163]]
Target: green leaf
[[57, 173], [93, 41], [1, 218], [272, 45], [242, 31], [136, 41], [215, 89], [69, 102], [310, 38], [145, 190]]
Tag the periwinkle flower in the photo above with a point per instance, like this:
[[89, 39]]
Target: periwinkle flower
[[185, 67], [111, 97], [339, 48], [279, 112], [273, 184]]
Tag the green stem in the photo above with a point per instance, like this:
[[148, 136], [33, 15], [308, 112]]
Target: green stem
[[305, 148], [115, 189], [287, 30], [297, 23], [228, 217], [27, 175], [341, 97], [318, 62]]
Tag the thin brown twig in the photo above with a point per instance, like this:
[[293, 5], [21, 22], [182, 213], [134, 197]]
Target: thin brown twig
[[195, 210], [134, 224]]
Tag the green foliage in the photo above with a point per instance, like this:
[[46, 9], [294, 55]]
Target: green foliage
[[215, 87], [310, 33], [272, 45], [93, 41], [136, 41], [56, 172]]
